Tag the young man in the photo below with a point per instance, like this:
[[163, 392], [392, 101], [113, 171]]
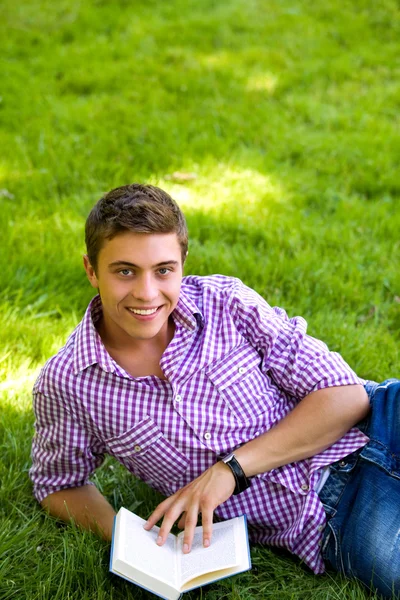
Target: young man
[[217, 400]]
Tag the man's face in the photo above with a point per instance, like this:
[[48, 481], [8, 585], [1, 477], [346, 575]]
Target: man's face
[[139, 278]]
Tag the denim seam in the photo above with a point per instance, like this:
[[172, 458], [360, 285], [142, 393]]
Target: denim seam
[[339, 497], [330, 519], [337, 551], [374, 443], [385, 385], [391, 473]]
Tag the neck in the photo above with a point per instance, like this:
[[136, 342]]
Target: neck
[[126, 343]]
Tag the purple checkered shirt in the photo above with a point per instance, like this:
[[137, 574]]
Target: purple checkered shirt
[[234, 368]]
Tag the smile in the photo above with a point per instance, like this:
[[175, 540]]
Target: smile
[[144, 312]]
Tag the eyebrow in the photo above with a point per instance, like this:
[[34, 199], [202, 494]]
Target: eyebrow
[[125, 263]]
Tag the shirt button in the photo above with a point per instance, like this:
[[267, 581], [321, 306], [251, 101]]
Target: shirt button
[[305, 487], [321, 527], [242, 370], [178, 398], [137, 448], [207, 435], [342, 463]]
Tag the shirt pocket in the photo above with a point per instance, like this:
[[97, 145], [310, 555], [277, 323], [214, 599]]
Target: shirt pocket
[[146, 453], [241, 384]]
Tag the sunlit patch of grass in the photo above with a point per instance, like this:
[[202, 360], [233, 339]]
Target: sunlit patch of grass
[[262, 82], [223, 186]]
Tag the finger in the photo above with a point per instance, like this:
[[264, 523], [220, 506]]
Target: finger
[[171, 515], [190, 524], [159, 512], [181, 523], [207, 523]]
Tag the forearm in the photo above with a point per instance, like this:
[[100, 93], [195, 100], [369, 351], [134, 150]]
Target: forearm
[[318, 421], [85, 505]]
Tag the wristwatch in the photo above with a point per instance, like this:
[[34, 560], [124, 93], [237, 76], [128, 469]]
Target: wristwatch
[[241, 481]]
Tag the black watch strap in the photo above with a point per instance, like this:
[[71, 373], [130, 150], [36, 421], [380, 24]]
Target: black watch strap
[[241, 481]]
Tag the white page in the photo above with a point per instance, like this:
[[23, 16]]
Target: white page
[[139, 549], [221, 554]]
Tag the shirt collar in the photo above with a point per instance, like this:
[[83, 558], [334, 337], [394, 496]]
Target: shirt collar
[[90, 350], [186, 313]]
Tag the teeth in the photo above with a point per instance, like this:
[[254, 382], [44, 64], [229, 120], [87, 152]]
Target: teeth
[[138, 311]]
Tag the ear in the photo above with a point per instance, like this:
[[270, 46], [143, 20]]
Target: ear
[[91, 275]]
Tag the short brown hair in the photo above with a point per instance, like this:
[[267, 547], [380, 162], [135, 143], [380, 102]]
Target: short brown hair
[[137, 208]]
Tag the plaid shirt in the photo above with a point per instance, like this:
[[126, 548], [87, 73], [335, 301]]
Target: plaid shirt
[[234, 368]]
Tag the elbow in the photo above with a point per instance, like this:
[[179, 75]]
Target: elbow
[[45, 503], [55, 503]]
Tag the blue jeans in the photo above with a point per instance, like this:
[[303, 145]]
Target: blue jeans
[[362, 499]]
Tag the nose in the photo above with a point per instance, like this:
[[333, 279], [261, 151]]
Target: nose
[[145, 288]]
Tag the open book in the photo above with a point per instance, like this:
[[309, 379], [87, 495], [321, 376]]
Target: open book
[[165, 570]]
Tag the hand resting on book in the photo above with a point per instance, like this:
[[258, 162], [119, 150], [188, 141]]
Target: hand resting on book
[[202, 495]]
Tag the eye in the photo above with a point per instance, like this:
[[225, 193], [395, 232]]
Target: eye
[[125, 272], [164, 271]]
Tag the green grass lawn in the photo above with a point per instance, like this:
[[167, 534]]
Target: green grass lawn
[[286, 112]]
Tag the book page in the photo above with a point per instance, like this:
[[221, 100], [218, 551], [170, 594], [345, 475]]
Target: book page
[[139, 549], [221, 554]]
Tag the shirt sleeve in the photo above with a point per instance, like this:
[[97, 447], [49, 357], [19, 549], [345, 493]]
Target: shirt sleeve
[[297, 362], [63, 452]]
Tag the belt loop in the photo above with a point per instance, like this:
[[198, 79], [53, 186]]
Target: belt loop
[[370, 387]]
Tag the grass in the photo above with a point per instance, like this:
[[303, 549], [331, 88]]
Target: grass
[[287, 112]]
